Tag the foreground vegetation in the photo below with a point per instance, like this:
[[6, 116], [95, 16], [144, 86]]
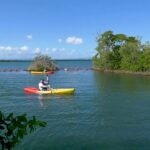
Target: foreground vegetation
[[121, 52], [14, 128], [41, 63]]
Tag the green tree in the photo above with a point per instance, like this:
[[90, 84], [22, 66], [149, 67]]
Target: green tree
[[145, 58], [14, 128], [105, 41], [108, 50], [104, 46], [130, 55], [118, 51], [106, 60]]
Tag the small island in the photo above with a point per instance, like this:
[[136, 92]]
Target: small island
[[42, 63], [120, 53]]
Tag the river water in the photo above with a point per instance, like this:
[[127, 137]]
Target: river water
[[108, 111]]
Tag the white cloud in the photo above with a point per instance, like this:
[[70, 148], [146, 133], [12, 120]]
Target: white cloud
[[20, 52], [37, 50], [47, 49], [1, 47], [74, 40], [57, 50], [24, 48], [7, 48], [62, 49], [25, 52], [60, 40], [54, 49], [29, 37]]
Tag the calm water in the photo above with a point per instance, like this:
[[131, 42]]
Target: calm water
[[107, 112]]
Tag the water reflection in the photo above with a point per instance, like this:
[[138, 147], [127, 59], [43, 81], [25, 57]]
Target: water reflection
[[127, 83], [122, 103], [44, 100]]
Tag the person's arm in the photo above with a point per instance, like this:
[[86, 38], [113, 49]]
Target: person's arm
[[44, 85]]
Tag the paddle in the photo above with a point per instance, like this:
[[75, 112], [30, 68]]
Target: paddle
[[47, 79], [48, 82]]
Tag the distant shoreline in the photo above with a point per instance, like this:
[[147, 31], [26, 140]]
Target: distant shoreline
[[122, 72], [15, 60], [53, 59]]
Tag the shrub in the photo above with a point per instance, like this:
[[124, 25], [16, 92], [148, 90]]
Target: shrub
[[41, 63]]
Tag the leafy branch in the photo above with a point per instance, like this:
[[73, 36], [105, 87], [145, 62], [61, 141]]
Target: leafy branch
[[14, 128]]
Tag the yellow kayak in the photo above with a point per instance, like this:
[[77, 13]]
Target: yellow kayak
[[40, 72], [32, 90]]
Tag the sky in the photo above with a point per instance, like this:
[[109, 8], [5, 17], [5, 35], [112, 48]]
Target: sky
[[67, 29]]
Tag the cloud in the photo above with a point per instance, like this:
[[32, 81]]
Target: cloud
[[9, 48], [74, 40], [62, 49], [25, 52], [54, 49], [47, 49], [37, 50], [60, 40], [24, 48], [20, 52], [57, 49], [29, 37]]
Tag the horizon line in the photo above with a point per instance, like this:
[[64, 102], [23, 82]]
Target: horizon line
[[52, 59]]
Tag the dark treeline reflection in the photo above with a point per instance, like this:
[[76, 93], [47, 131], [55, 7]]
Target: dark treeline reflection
[[122, 82]]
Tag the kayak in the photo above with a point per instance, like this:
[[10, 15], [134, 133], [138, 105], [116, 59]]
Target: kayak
[[40, 72], [32, 90]]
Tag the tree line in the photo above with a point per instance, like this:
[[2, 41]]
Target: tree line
[[121, 52]]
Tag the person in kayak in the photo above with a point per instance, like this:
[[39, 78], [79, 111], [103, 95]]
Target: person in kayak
[[43, 85]]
